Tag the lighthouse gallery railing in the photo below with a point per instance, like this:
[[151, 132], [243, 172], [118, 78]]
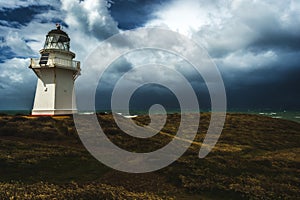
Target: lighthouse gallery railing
[[35, 63]]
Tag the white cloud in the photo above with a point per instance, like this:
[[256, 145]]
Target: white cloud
[[17, 44], [91, 17], [17, 84], [227, 28], [248, 60], [12, 4], [189, 16], [89, 22], [15, 71]]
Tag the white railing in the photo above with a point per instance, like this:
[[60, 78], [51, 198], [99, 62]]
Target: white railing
[[65, 63], [58, 62]]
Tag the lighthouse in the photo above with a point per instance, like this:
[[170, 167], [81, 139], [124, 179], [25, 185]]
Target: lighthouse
[[56, 71]]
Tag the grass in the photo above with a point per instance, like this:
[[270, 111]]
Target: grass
[[256, 157]]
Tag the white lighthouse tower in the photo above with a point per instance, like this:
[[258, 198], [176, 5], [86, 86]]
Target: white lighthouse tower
[[56, 71]]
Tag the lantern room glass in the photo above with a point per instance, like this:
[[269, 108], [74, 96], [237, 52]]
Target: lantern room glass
[[54, 41]]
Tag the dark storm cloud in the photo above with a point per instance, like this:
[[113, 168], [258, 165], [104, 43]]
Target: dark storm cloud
[[135, 13], [147, 95], [21, 15], [274, 33], [279, 94], [142, 99], [285, 40], [17, 96], [274, 86], [114, 72], [151, 94], [105, 85]]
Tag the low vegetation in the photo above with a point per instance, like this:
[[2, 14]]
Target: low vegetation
[[256, 157]]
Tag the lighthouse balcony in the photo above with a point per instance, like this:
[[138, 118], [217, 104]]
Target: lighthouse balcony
[[55, 62]]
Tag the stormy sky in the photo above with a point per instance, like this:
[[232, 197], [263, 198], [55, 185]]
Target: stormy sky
[[254, 44]]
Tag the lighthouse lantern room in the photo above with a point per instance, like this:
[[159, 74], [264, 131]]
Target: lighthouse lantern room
[[56, 71]]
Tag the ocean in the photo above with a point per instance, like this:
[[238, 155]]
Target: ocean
[[288, 115]]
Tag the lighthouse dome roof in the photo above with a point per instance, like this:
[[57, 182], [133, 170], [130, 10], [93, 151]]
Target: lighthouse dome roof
[[57, 31]]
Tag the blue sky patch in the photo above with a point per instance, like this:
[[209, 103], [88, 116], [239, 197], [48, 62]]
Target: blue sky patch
[[6, 53]]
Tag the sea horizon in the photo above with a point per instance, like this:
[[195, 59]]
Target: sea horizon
[[293, 115]]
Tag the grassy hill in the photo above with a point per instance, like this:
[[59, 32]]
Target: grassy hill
[[256, 157]]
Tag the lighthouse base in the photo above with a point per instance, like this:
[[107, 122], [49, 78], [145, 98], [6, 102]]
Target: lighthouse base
[[55, 93], [52, 112]]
